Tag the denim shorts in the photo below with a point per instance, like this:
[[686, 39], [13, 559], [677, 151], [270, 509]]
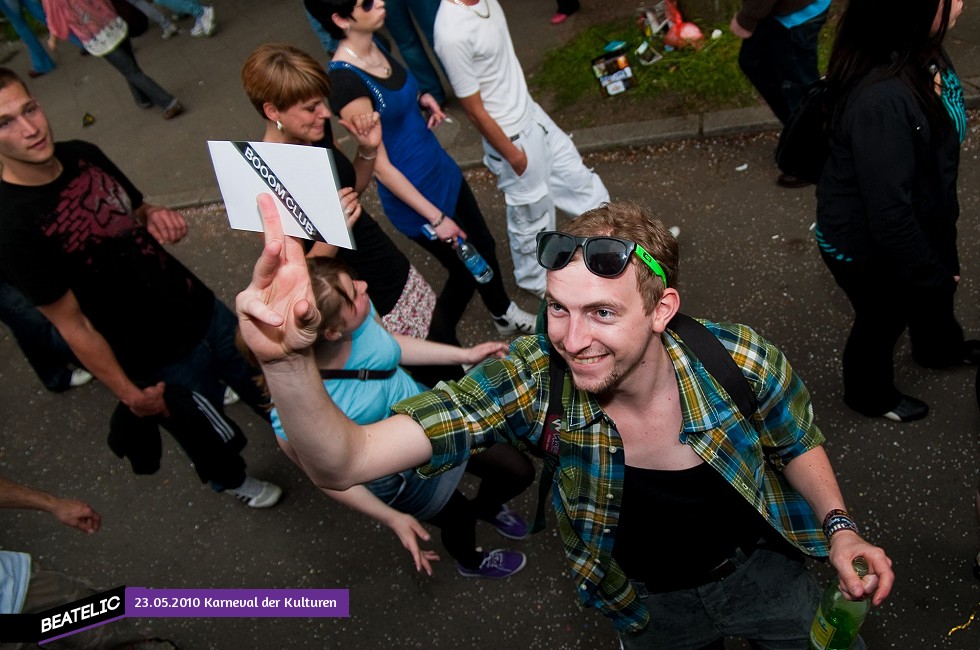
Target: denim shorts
[[414, 495]]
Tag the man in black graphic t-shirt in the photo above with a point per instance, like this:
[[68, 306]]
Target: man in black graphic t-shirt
[[78, 240]]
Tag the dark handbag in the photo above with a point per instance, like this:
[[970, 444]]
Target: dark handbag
[[804, 144]]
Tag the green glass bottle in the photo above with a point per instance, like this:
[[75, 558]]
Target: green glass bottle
[[836, 625]]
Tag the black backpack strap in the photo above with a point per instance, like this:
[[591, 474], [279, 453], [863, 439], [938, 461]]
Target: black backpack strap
[[547, 447], [363, 374], [717, 360]]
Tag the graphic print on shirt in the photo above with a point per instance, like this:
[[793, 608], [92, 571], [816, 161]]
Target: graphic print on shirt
[[94, 209]]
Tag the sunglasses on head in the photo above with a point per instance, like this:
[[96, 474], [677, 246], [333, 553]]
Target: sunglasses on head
[[606, 257], [365, 5]]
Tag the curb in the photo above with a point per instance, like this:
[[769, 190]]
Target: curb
[[736, 121]]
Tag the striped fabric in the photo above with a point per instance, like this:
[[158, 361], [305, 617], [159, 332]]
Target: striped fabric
[[505, 401]]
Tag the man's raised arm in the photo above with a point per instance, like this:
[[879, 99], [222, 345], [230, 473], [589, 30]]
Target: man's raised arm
[[279, 321]]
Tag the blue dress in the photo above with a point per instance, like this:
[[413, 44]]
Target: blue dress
[[411, 146]]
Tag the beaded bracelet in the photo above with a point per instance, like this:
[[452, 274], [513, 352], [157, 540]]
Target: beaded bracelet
[[438, 222], [363, 157]]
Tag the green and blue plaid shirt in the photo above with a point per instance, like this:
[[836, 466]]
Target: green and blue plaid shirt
[[505, 400]]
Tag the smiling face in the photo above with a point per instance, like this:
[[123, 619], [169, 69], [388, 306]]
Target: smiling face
[[305, 122], [25, 135], [600, 328]]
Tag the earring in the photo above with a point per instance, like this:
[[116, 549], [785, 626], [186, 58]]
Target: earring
[[279, 126]]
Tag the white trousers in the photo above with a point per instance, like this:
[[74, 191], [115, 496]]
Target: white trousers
[[555, 177]]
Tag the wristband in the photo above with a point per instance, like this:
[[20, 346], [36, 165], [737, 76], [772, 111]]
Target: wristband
[[836, 521]]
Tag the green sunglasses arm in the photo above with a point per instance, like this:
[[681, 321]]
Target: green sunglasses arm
[[652, 263]]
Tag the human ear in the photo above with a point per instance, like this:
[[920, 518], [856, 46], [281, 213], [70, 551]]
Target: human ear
[[668, 305], [271, 112]]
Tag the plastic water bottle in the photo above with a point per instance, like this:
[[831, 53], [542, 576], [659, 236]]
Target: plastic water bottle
[[474, 261], [838, 620]]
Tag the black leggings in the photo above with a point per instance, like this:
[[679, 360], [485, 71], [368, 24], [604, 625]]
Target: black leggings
[[504, 473], [460, 285]]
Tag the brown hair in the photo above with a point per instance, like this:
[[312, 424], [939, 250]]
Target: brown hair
[[630, 221], [282, 75], [328, 290], [8, 77]]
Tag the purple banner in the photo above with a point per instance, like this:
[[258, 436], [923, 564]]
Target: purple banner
[[236, 603]]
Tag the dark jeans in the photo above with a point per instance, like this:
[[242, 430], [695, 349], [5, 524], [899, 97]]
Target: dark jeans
[[460, 285], [216, 362], [883, 309], [206, 369], [398, 20], [144, 89], [38, 339], [769, 600], [504, 473], [782, 63]]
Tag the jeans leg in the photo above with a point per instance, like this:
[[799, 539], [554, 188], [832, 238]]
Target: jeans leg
[[142, 87], [230, 366], [40, 60], [183, 7], [38, 339], [782, 63], [151, 12], [328, 42], [401, 26]]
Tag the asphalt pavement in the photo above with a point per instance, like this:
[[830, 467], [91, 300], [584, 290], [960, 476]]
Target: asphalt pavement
[[747, 255]]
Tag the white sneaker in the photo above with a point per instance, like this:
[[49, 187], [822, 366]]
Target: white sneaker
[[207, 20], [198, 28], [515, 321], [256, 493], [79, 377], [168, 31]]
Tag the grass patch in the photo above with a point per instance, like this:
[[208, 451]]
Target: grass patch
[[685, 80]]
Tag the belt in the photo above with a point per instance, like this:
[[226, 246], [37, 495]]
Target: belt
[[723, 570]]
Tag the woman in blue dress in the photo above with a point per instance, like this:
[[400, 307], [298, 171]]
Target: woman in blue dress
[[419, 184]]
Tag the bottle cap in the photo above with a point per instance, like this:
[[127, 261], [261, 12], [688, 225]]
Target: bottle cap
[[860, 566]]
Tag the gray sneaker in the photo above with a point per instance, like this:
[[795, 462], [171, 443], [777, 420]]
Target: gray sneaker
[[256, 494]]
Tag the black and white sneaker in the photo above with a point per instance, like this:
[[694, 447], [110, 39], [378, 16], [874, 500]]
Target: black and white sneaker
[[515, 321]]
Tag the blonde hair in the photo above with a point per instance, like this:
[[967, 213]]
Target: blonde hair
[[282, 75], [328, 290]]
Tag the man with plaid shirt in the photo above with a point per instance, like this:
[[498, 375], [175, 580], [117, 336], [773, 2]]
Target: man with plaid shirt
[[683, 520]]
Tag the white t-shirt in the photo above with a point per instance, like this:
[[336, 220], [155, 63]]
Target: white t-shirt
[[479, 56]]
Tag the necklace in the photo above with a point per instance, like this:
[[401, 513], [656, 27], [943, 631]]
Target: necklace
[[386, 70], [466, 6]]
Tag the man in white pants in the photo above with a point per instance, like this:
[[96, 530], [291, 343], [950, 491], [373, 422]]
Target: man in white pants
[[536, 164]]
